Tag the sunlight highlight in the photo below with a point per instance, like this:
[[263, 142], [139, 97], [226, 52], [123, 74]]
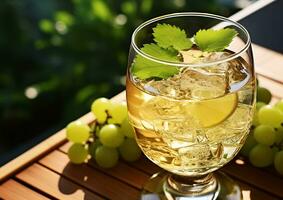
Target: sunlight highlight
[[121, 19], [61, 27], [31, 92], [239, 162]]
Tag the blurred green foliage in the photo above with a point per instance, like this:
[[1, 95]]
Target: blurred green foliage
[[57, 56]]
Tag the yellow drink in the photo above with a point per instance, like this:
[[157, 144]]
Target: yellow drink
[[196, 121]]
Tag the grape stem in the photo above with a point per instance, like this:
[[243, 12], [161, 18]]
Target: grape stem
[[280, 145]]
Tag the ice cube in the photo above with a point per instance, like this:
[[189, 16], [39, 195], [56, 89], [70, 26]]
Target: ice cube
[[195, 154], [204, 83], [236, 71], [193, 56], [157, 111], [180, 130], [217, 134]]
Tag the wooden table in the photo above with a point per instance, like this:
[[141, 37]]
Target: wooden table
[[44, 172]]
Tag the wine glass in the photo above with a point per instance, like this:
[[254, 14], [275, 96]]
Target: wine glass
[[191, 113]]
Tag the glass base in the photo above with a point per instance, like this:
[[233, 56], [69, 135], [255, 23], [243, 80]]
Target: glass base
[[216, 186]]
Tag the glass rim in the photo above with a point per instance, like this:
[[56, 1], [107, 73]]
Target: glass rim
[[194, 14]]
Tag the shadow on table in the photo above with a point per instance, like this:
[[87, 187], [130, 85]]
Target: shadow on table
[[76, 177]]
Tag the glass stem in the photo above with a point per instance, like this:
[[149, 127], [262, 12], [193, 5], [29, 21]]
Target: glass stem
[[193, 185]]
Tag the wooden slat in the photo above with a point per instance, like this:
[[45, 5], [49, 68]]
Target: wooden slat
[[13, 190], [53, 184], [121, 171], [268, 63], [257, 177], [88, 177]]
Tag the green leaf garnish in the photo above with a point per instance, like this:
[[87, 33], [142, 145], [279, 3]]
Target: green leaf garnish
[[166, 35], [145, 68], [160, 53], [173, 41], [214, 40]]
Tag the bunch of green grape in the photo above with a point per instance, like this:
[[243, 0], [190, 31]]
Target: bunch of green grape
[[109, 138], [264, 145]]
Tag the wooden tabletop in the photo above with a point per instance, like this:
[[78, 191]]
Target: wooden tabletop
[[44, 172]]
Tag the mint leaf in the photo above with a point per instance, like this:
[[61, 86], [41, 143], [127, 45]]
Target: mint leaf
[[214, 40], [163, 54], [157, 71], [166, 35], [144, 68]]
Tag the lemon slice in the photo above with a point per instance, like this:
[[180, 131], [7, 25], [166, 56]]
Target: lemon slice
[[212, 112]]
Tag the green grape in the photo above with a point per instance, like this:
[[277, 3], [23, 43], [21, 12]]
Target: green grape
[[279, 135], [93, 146], [249, 144], [111, 136], [259, 105], [263, 95], [77, 132], [99, 108], [270, 116], [127, 129], [106, 157], [77, 153], [261, 156], [129, 150], [118, 112], [279, 105], [278, 162], [255, 121], [264, 134]]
